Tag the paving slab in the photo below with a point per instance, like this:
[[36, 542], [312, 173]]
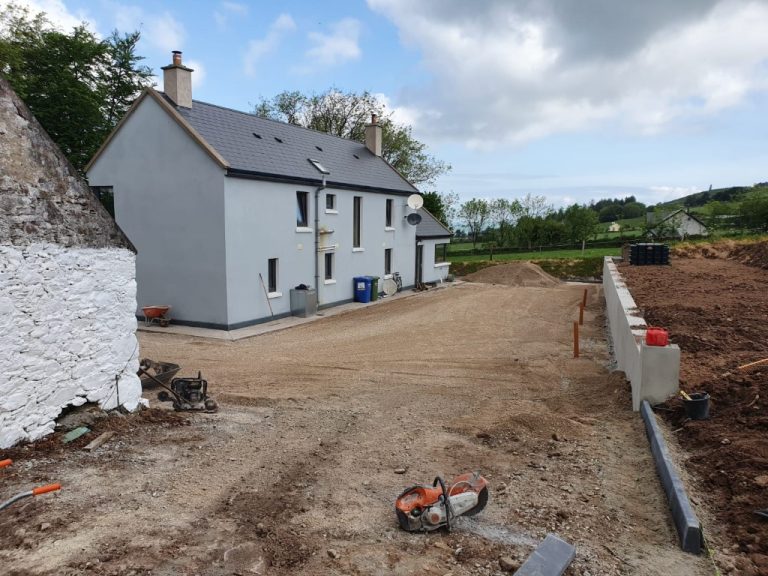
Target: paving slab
[[551, 558]]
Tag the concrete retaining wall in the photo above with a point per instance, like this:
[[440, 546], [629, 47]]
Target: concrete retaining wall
[[654, 371], [68, 325]]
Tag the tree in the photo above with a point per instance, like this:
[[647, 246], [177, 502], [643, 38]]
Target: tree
[[345, 114], [504, 214], [76, 85], [581, 224], [441, 206], [533, 209], [754, 212], [610, 213], [475, 214], [633, 210]]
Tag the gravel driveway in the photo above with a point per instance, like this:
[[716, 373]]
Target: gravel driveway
[[296, 473]]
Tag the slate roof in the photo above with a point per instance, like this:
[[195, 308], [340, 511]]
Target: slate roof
[[283, 150], [431, 227]]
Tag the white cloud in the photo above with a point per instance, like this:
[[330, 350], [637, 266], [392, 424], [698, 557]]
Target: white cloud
[[161, 30], [257, 49], [58, 14], [226, 10], [506, 71], [165, 32], [198, 76], [337, 47]]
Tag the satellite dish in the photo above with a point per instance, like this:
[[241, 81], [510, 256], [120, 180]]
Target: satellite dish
[[389, 287], [413, 218], [415, 201]]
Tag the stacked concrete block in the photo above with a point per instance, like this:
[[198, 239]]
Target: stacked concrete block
[[654, 371]]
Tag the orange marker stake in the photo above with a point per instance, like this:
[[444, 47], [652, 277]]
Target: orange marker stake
[[575, 339], [584, 299], [581, 315]]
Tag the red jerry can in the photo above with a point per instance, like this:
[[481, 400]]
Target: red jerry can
[[656, 337]]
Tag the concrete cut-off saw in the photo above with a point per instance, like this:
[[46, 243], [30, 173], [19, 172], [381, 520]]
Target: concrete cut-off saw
[[425, 508]]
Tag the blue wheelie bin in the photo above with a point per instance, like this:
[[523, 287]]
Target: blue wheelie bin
[[362, 289]]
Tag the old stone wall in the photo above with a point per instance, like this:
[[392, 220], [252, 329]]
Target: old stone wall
[[42, 197], [67, 320]]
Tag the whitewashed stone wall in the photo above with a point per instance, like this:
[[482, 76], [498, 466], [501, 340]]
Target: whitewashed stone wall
[[67, 328]]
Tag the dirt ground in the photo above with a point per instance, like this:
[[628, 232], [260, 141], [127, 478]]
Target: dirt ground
[[296, 474], [714, 302]]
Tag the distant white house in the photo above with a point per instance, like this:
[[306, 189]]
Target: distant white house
[[679, 223], [614, 227]]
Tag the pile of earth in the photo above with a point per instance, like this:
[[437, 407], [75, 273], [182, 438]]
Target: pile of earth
[[715, 309], [514, 274], [748, 252]]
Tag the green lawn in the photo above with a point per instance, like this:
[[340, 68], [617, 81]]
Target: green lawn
[[543, 255]]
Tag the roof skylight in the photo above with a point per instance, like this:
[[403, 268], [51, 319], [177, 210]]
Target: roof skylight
[[319, 167]]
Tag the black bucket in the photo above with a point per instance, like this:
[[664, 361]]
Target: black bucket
[[697, 408]]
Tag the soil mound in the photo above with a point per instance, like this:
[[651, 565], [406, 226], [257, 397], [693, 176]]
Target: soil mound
[[752, 254], [514, 274], [749, 253]]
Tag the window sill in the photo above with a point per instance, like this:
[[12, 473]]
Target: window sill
[[329, 282], [387, 276], [329, 211], [271, 295], [358, 249], [389, 229], [442, 264], [303, 229]]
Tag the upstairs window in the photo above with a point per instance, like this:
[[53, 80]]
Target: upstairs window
[[302, 211], [357, 216], [330, 201], [388, 219]]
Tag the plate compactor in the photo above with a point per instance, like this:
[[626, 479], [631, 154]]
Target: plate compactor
[[185, 393], [425, 508]]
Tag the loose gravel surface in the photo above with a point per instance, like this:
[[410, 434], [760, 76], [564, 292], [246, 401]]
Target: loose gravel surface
[[296, 474]]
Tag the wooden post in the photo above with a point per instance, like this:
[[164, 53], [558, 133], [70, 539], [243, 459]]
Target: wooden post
[[581, 315], [584, 299], [575, 339]]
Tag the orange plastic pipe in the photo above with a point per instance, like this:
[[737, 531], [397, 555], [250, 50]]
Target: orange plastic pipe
[[46, 489], [575, 339], [6, 462]]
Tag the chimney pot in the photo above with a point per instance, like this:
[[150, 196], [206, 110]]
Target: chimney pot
[[176, 57]]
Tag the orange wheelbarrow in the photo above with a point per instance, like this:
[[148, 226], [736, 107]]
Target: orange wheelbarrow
[[157, 314]]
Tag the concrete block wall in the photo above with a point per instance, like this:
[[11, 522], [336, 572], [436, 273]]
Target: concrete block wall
[[653, 371], [68, 326]]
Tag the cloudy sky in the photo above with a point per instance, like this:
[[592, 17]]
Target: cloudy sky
[[575, 100]]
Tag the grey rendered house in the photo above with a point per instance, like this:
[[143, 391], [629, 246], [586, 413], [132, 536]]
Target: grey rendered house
[[229, 211]]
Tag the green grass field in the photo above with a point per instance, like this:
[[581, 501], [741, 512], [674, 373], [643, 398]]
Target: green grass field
[[543, 255]]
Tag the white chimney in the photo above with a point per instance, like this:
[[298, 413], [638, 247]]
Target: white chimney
[[177, 82], [373, 136]]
